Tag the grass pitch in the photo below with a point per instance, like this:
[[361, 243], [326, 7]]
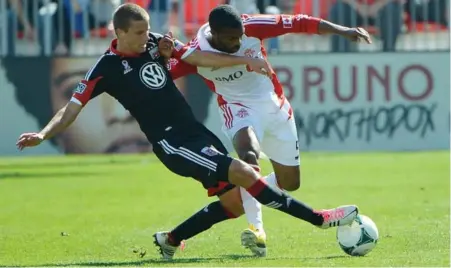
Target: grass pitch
[[103, 210]]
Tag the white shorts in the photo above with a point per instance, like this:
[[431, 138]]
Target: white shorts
[[273, 125]]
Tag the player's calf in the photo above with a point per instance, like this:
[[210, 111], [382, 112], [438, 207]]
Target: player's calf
[[241, 174], [288, 177], [204, 219], [231, 201]]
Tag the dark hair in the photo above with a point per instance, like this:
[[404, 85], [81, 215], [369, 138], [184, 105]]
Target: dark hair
[[127, 12], [224, 16]]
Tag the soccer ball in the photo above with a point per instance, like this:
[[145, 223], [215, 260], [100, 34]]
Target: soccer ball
[[359, 238]]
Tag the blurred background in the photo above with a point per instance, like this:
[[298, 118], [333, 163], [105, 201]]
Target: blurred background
[[390, 95]]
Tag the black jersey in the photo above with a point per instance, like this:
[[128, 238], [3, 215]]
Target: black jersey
[[143, 85]]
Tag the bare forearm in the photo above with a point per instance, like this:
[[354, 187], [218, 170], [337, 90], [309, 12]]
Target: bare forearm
[[211, 59], [59, 122], [327, 27]]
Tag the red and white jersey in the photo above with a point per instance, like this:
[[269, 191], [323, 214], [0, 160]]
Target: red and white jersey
[[238, 83]]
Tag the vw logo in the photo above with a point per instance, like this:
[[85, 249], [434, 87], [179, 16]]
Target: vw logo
[[153, 75]]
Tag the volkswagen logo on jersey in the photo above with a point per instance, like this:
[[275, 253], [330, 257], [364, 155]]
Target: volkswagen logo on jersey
[[153, 75]]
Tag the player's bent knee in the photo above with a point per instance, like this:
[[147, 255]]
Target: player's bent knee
[[294, 183], [248, 156], [289, 179], [242, 174]]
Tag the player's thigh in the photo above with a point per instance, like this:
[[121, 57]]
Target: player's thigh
[[198, 158], [282, 148], [281, 144]]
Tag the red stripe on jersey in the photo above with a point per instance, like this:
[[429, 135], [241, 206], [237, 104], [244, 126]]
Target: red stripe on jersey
[[290, 113], [221, 100], [84, 90], [211, 86], [229, 112], [228, 116], [278, 89]]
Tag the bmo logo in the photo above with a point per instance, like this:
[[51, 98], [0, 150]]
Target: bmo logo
[[232, 77]]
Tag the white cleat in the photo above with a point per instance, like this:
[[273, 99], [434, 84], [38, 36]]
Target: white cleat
[[166, 250], [255, 240], [343, 215]]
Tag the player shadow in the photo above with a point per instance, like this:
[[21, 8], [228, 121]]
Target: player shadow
[[155, 261], [326, 257], [178, 261]]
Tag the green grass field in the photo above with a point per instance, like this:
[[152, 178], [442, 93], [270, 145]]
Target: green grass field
[[106, 206]]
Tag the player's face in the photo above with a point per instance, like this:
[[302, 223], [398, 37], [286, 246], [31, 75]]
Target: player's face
[[103, 126], [137, 35], [228, 40]]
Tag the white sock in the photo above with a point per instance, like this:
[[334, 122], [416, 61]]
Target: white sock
[[271, 180], [252, 209]]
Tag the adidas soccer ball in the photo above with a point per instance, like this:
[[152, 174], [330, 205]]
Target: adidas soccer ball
[[359, 238]]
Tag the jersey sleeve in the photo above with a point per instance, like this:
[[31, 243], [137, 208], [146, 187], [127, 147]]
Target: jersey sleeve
[[182, 51], [267, 26], [179, 68], [92, 85]]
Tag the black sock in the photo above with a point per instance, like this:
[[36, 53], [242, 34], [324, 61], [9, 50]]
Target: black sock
[[199, 222], [283, 202]]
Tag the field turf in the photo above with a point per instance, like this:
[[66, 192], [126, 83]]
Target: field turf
[[103, 210]]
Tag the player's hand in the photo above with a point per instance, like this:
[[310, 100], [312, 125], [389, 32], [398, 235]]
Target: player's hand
[[166, 45], [29, 140], [358, 34], [260, 66]]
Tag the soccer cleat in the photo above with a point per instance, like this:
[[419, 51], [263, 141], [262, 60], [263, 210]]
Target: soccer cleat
[[255, 240], [167, 250], [343, 215]]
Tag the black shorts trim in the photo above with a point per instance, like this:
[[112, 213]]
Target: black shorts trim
[[189, 155]]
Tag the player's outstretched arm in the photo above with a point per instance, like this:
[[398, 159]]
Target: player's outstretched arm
[[60, 121], [268, 26], [168, 47], [218, 60], [354, 34]]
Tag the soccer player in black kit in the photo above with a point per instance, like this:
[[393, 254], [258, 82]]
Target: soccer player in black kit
[[133, 71]]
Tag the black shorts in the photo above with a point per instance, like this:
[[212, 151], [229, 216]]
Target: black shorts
[[198, 154]]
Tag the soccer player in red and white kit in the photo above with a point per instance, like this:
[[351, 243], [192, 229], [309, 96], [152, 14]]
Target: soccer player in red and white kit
[[255, 113]]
